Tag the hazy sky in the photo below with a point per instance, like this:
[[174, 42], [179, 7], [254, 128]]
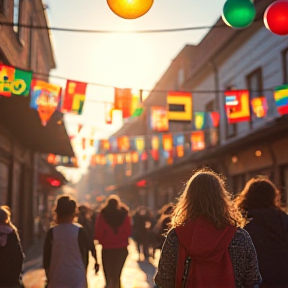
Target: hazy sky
[[122, 60]]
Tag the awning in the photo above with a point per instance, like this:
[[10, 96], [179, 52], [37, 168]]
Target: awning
[[25, 125]]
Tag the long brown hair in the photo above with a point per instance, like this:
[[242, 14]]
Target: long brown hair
[[205, 195], [258, 193]]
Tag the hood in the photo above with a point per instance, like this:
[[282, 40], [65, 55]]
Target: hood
[[203, 241], [4, 231]]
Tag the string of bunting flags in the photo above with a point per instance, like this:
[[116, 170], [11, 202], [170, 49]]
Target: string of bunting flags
[[46, 98]]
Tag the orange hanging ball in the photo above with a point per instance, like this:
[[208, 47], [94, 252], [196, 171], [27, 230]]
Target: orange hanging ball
[[130, 9]]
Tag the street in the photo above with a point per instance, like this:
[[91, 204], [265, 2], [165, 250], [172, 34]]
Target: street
[[135, 274]]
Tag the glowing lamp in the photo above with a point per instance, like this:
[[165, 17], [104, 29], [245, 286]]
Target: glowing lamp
[[130, 9], [239, 13], [141, 183], [276, 17]]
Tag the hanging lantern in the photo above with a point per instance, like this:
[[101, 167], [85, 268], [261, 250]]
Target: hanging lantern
[[238, 13], [130, 9], [276, 17]]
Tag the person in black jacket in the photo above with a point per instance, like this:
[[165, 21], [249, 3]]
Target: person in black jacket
[[268, 228], [11, 255]]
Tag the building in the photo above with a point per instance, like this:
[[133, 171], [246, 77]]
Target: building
[[226, 59], [26, 179]]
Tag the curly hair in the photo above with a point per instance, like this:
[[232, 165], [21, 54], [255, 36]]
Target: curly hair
[[205, 195], [258, 193]]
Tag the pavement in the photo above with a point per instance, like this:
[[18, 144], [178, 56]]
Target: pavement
[[135, 273]]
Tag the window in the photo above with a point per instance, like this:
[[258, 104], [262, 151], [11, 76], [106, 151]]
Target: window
[[285, 66], [231, 129], [2, 7], [16, 15]]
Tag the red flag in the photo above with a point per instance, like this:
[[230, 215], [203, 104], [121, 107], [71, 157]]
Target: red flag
[[123, 101]]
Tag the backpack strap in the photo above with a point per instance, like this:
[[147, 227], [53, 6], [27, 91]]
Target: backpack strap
[[186, 271]]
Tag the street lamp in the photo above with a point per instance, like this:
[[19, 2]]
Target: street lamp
[[130, 9]]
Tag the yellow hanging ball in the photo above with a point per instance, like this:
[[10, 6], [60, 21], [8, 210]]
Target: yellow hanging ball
[[130, 9]]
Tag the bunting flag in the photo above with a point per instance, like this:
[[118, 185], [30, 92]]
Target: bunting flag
[[113, 144], [120, 159], [281, 99], [123, 143], [45, 99], [104, 145], [135, 157], [159, 121], [109, 159], [109, 107], [199, 120], [167, 142], [197, 141], [214, 118], [213, 137], [128, 158], [58, 160], [123, 101], [74, 98], [180, 106], [179, 141], [136, 108], [138, 112], [83, 143], [14, 81], [259, 106], [139, 143], [155, 144], [237, 106]]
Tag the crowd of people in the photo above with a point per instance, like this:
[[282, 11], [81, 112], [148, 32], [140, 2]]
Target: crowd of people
[[207, 239]]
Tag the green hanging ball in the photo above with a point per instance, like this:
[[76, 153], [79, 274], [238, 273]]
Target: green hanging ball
[[238, 13]]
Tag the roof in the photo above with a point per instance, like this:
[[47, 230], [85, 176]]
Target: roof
[[25, 125]]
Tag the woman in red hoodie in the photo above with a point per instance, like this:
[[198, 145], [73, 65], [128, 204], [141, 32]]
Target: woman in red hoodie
[[206, 247], [112, 230]]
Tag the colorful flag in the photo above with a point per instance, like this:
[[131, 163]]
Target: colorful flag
[[214, 118], [179, 141], [237, 106], [155, 144], [180, 106], [14, 81], [138, 112], [123, 143], [123, 101], [159, 121], [74, 98], [45, 99], [167, 142], [139, 143], [281, 99], [259, 106], [199, 120], [135, 157], [136, 108], [113, 144], [104, 145], [109, 107], [197, 141]]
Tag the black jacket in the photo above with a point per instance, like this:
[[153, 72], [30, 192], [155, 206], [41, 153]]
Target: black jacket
[[268, 229], [11, 258]]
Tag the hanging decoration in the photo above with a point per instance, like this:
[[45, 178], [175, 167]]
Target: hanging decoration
[[159, 121], [130, 9], [74, 98], [104, 145], [167, 142], [45, 99], [199, 120], [109, 107], [239, 13], [214, 118], [259, 106], [135, 157], [179, 141], [155, 144], [123, 101], [123, 143], [197, 141], [281, 99], [136, 108], [14, 81], [180, 106], [237, 106], [138, 112], [113, 144], [276, 17], [139, 143]]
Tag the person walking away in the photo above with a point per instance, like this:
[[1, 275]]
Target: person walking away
[[66, 248], [268, 228], [206, 246], [11, 255], [112, 230]]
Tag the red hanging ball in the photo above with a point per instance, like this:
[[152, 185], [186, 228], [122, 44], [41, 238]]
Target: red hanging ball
[[276, 17]]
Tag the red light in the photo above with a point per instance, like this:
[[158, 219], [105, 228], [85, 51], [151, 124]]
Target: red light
[[141, 183], [54, 182]]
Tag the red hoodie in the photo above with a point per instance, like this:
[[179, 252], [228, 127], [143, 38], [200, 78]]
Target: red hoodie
[[207, 246]]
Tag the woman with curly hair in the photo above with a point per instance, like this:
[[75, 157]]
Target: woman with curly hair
[[206, 246], [268, 228]]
